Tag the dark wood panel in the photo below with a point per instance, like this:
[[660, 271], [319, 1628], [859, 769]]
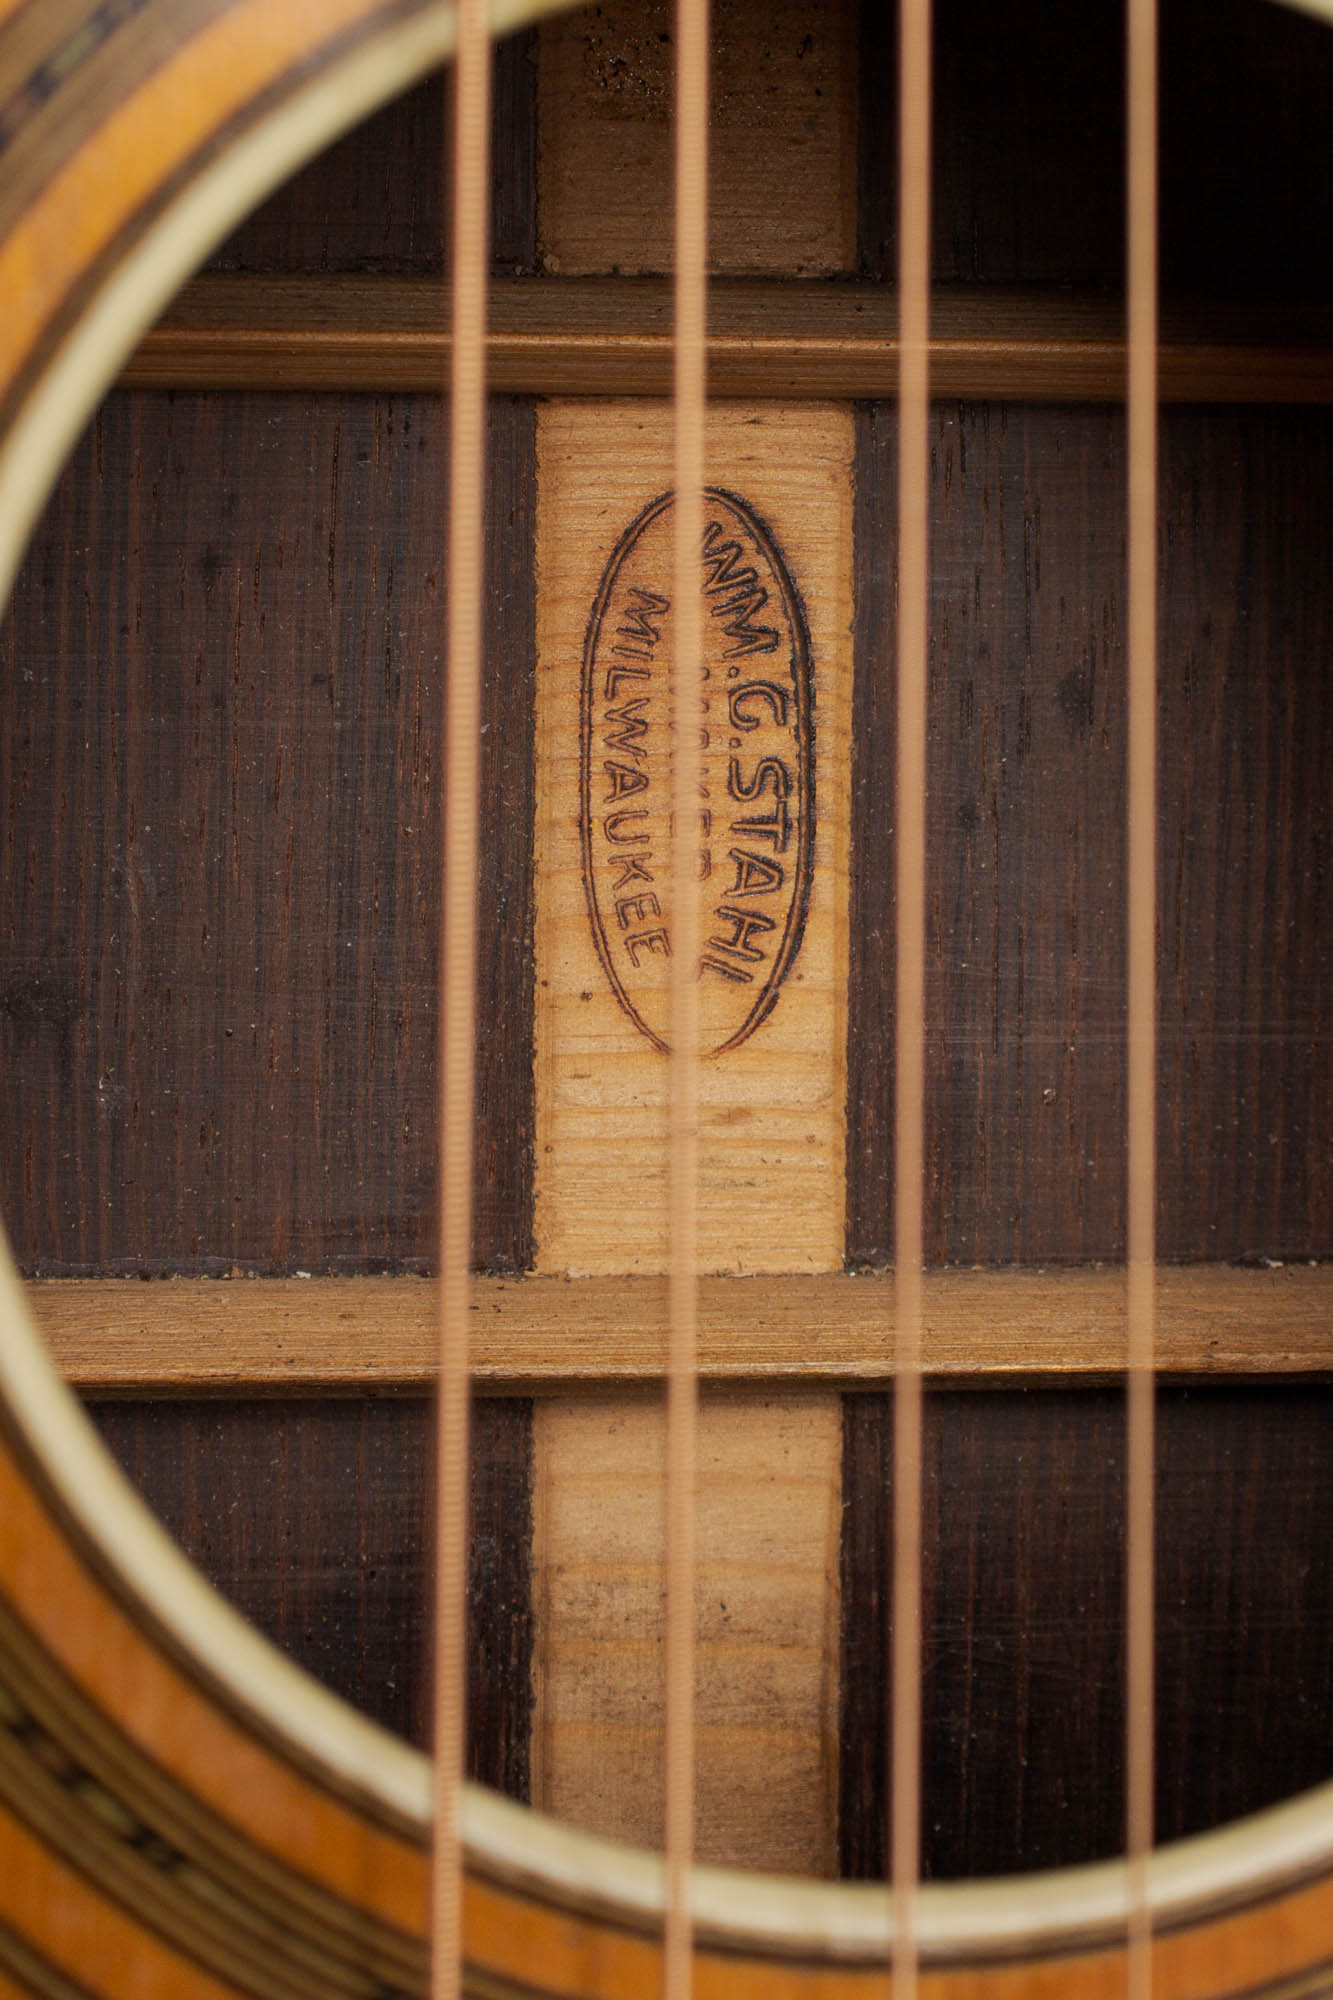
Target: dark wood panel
[[1027, 178], [1026, 982], [314, 1519], [317, 1521], [1246, 864], [865, 1590], [220, 746], [1023, 1578], [371, 202], [1025, 1010], [1029, 146], [1023, 1543], [506, 1107], [375, 200], [500, 1608], [1025, 908], [1245, 1599], [872, 896], [514, 155], [1247, 195]]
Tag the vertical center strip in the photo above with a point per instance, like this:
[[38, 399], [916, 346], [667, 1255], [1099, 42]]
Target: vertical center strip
[[458, 969], [687, 614], [1141, 192], [909, 1087]]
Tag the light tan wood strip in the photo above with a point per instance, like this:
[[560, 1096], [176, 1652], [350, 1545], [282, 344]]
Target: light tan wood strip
[[612, 337], [767, 1606], [773, 999], [783, 138], [270, 1336]]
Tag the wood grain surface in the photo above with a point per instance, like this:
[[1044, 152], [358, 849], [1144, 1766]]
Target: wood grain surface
[[771, 1135], [766, 337], [315, 1520], [376, 200], [376, 1335], [1026, 1037], [217, 726], [1028, 177], [1024, 1552], [1245, 1096], [783, 117], [220, 751], [767, 1607], [373, 201]]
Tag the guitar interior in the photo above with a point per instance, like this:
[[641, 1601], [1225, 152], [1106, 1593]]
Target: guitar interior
[[220, 758]]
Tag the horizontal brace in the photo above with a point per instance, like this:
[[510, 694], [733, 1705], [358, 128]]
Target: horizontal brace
[[776, 338], [285, 1336]]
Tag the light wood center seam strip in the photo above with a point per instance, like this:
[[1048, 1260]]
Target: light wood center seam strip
[[270, 1336], [750, 628], [612, 337]]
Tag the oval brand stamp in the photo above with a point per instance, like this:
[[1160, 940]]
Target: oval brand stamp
[[755, 831]]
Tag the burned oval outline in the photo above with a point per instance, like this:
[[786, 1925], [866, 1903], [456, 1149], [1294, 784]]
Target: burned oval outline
[[796, 679]]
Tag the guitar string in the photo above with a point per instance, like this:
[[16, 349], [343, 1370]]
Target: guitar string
[[1141, 887], [909, 1051], [467, 388], [691, 249]]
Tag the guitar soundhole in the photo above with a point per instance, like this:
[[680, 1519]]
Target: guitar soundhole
[[220, 758]]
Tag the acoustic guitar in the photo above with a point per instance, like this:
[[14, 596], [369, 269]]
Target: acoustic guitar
[[183, 1810]]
